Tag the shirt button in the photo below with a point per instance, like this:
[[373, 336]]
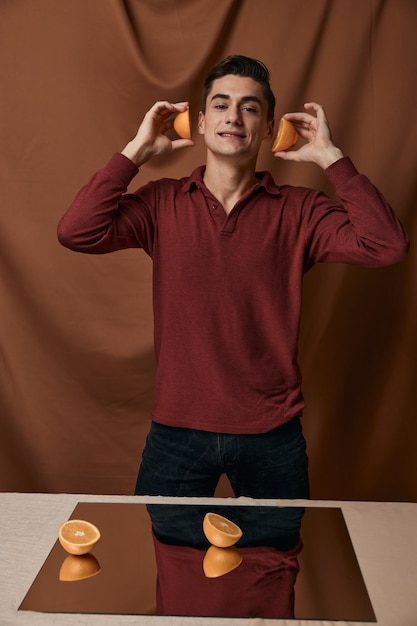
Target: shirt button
[[214, 207]]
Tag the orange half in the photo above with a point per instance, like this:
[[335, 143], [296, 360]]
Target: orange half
[[78, 536], [220, 531], [287, 136]]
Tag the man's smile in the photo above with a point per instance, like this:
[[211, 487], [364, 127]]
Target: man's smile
[[231, 133]]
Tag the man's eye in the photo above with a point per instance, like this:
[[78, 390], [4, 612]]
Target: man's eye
[[249, 109], [220, 106]]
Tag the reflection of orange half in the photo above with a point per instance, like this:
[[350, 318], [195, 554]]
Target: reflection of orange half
[[220, 531], [79, 567], [182, 124], [286, 137], [220, 561]]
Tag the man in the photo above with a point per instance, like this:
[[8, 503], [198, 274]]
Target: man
[[229, 250]]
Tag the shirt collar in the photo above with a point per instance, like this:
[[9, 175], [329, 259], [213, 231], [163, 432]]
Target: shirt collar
[[196, 180]]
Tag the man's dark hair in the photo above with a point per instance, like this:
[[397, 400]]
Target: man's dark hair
[[239, 65]]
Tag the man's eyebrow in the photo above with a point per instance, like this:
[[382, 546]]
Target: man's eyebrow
[[222, 96], [225, 96], [252, 99]]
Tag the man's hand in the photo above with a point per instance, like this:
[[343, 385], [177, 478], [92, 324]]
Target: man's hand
[[315, 130], [151, 140]]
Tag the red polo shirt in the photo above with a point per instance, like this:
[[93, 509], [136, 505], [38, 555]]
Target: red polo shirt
[[228, 288]]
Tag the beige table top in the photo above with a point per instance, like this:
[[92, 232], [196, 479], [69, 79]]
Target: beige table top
[[383, 535]]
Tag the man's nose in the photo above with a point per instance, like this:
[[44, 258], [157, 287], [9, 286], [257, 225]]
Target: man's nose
[[234, 115]]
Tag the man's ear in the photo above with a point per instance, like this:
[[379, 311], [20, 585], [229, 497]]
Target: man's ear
[[201, 127], [270, 129]]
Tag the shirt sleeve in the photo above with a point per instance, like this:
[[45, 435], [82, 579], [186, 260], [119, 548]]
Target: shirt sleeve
[[362, 229], [104, 218]]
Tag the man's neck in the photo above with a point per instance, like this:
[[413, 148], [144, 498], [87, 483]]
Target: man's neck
[[228, 182]]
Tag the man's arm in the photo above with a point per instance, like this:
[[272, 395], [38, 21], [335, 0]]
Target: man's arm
[[369, 233], [98, 221]]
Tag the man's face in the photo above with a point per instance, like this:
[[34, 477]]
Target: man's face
[[235, 121]]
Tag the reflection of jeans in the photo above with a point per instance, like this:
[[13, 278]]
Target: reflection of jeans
[[186, 462]]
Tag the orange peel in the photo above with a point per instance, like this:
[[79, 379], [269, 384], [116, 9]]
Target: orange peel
[[182, 124]]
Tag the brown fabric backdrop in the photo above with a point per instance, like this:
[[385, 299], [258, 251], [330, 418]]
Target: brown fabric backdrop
[[76, 353]]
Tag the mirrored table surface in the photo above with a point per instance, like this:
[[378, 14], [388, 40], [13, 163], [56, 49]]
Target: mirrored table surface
[[296, 563], [382, 534]]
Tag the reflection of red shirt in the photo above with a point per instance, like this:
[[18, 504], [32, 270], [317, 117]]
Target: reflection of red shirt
[[227, 289], [261, 586]]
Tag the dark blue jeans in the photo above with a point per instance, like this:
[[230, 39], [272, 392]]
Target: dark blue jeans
[[187, 462]]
